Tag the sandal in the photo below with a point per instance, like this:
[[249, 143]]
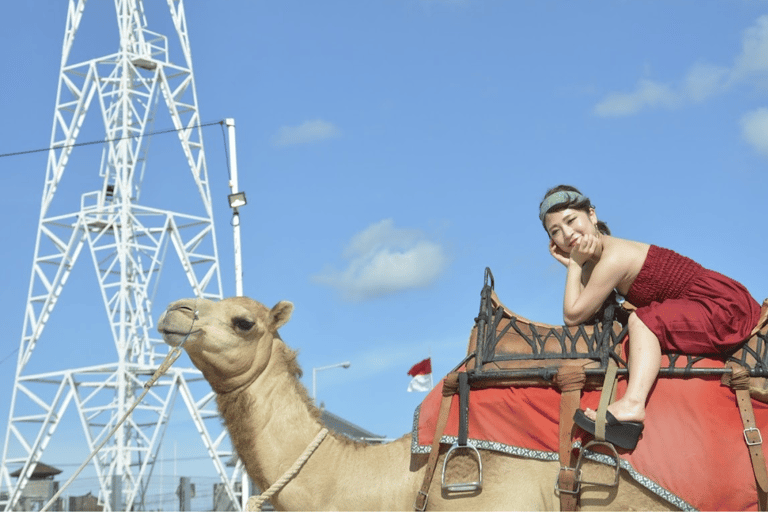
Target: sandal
[[624, 434]]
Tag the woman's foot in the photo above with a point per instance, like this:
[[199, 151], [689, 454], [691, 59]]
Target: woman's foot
[[622, 410], [623, 434]]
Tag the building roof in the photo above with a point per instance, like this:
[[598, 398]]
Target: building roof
[[341, 426], [41, 471]]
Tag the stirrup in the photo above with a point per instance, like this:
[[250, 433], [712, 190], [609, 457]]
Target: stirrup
[[463, 486], [581, 460]]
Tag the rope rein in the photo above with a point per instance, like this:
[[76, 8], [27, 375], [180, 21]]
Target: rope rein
[[171, 358], [255, 502]]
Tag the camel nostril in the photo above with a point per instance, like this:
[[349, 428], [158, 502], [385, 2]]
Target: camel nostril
[[181, 307]]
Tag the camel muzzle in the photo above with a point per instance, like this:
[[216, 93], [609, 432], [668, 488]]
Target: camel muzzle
[[173, 334]]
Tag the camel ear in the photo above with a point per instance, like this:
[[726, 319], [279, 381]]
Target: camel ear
[[280, 314]]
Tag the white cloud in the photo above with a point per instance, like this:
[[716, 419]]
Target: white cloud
[[306, 133], [754, 128], [383, 260], [753, 59], [702, 80], [648, 94]]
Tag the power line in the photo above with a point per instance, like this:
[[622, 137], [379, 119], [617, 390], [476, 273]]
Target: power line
[[226, 150], [8, 356], [179, 459], [93, 142], [89, 143]]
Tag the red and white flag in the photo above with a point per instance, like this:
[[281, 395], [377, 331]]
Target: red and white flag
[[422, 376]]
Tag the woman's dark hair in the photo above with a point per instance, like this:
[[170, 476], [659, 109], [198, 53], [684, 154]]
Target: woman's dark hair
[[583, 204]]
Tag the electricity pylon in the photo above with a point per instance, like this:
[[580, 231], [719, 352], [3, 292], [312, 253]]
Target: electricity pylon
[[128, 243]]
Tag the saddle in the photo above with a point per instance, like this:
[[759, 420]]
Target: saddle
[[516, 351], [506, 350]]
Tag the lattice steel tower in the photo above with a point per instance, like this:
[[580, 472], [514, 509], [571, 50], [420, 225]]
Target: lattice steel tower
[[128, 244]]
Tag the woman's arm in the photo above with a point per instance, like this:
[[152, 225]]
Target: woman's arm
[[581, 302]]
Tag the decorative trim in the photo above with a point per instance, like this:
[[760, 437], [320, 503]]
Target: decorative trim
[[639, 478], [527, 453]]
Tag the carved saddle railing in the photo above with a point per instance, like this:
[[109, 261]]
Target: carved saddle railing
[[506, 348]]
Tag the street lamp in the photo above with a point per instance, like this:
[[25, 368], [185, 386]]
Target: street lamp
[[236, 200], [345, 364]]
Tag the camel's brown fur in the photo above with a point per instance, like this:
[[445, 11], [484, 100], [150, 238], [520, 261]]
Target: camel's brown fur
[[271, 420]]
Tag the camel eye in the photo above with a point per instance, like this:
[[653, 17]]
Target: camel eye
[[243, 324]]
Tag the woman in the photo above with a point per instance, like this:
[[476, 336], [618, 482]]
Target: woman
[[681, 306]]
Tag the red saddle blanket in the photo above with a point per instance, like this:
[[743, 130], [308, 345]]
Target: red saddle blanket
[[692, 452]]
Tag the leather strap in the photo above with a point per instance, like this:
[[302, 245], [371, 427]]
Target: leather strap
[[450, 387], [607, 396], [463, 409], [570, 380], [752, 437]]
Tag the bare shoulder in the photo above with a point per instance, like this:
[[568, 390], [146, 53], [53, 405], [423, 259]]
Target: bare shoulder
[[625, 249], [626, 258]]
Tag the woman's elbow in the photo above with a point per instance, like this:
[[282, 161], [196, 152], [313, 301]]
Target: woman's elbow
[[570, 322], [572, 318]]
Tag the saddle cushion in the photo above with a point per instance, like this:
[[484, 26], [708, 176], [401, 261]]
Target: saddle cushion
[[692, 452]]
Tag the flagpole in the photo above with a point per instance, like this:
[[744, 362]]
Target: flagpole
[[431, 379]]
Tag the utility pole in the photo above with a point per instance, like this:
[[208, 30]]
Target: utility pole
[[185, 492], [236, 201]]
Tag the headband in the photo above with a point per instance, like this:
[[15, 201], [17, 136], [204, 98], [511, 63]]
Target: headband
[[562, 197]]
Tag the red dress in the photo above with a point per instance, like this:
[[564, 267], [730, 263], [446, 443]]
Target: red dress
[[691, 309]]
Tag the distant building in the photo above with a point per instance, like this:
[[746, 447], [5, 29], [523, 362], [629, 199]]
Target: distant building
[[89, 502], [40, 488], [341, 426]]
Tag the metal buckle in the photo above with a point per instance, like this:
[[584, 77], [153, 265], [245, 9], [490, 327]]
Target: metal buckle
[[759, 437], [576, 480], [423, 507], [463, 486], [615, 457]]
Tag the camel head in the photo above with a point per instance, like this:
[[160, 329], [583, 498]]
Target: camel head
[[230, 341]]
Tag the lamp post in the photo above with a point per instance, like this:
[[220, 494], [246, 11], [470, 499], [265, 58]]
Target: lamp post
[[345, 364], [236, 200]]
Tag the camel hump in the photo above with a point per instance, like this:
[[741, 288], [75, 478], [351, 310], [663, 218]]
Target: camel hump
[[512, 341], [508, 313], [503, 341]]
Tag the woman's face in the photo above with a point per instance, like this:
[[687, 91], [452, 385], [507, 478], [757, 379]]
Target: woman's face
[[567, 226]]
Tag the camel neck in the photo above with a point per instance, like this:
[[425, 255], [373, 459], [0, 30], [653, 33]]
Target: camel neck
[[270, 421]]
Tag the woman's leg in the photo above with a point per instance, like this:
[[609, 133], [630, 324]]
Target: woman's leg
[[644, 363]]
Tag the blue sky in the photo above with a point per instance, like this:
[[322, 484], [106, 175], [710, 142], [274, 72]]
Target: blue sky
[[391, 150]]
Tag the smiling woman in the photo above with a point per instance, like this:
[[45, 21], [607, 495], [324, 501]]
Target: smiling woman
[[682, 307]]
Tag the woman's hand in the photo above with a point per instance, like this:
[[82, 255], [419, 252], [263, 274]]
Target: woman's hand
[[590, 247], [558, 253]]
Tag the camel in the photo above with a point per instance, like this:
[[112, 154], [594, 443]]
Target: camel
[[271, 420]]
